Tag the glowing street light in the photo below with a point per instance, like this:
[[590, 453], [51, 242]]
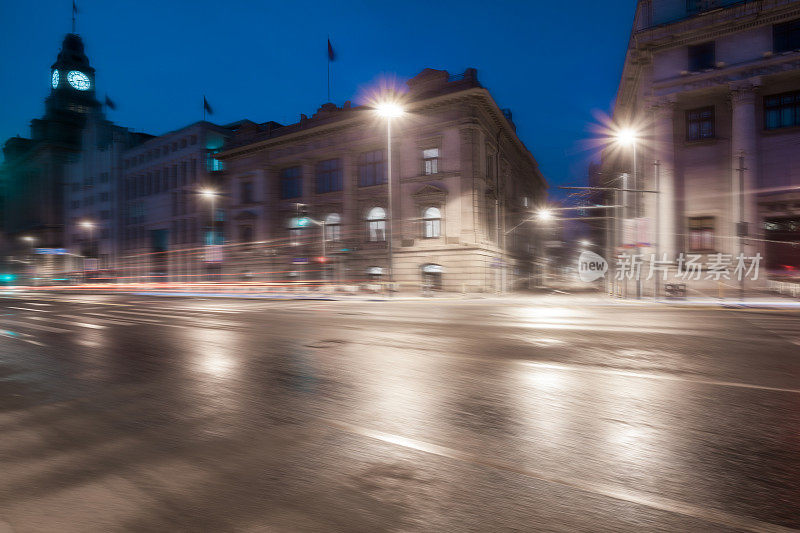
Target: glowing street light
[[585, 243], [389, 110], [544, 215], [627, 137], [630, 137]]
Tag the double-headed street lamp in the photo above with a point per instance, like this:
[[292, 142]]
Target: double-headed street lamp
[[389, 110]]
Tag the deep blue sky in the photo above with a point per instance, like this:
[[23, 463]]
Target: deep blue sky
[[552, 63]]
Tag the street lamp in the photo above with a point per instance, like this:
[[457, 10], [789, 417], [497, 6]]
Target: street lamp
[[89, 226], [585, 243], [211, 196], [630, 137], [389, 110], [31, 242], [544, 215]]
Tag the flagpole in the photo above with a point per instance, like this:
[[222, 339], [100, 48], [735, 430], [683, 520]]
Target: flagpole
[[329, 69], [204, 108]]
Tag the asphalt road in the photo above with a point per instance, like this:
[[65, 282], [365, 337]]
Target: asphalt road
[[133, 413]]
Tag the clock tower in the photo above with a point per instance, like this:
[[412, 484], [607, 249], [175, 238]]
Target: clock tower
[[72, 96], [33, 172]]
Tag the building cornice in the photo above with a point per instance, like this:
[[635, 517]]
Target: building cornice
[[752, 70]]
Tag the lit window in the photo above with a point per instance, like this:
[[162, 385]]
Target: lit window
[[212, 164], [700, 124], [376, 224], [333, 227], [432, 222], [431, 160], [701, 234]]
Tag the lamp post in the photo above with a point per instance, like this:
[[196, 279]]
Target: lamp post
[[211, 196], [31, 242], [630, 137], [88, 225], [543, 215], [389, 110]]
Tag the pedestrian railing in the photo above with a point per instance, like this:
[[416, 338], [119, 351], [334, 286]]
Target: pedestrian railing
[[788, 288]]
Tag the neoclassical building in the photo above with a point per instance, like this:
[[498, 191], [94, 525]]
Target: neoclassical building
[[713, 86], [461, 181]]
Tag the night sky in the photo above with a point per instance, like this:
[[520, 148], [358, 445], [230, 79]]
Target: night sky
[[555, 64]]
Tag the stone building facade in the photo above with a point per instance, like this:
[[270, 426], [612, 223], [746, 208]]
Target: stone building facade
[[713, 87], [165, 220], [461, 181], [92, 202]]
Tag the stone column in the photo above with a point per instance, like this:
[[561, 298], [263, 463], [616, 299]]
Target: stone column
[[664, 153], [743, 155]]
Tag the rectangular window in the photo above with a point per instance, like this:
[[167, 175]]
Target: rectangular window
[[376, 230], [786, 36], [104, 177], [329, 176], [700, 124], [333, 232], [782, 110], [291, 183], [246, 192], [372, 168], [104, 196], [212, 164], [701, 57], [701, 234], [105, 214], [193, 170], [431, 160], [156, 182], [76, 187], [184, 176]]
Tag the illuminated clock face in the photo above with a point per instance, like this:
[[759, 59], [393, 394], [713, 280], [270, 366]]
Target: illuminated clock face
[[54, 81], [79, 80]]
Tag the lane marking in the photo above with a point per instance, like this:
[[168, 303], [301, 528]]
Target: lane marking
[[26, 309], [616, 492], [108, 320], [70, 323], [34, 326], [648, 375]]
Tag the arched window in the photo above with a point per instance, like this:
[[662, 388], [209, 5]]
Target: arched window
[[333, 227], [432, 222], [376, 224]]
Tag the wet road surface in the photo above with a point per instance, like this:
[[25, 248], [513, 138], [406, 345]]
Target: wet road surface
[[122, 412]]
